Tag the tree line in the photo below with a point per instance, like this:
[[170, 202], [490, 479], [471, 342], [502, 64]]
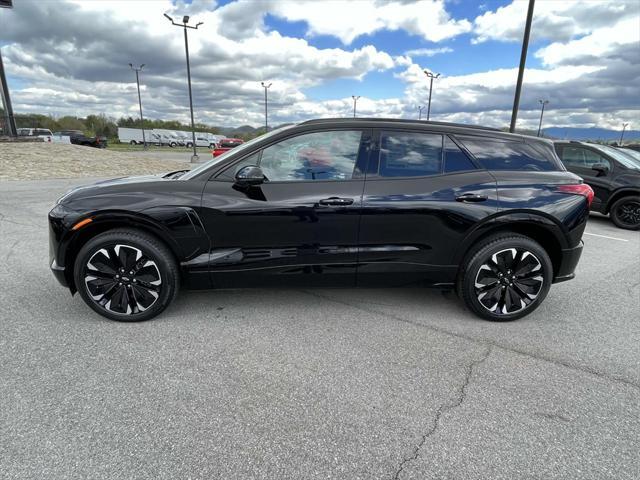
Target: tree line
[[101, 125]]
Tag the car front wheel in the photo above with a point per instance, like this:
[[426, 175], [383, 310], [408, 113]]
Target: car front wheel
[[505, 277], [126, 275], [625, 213]]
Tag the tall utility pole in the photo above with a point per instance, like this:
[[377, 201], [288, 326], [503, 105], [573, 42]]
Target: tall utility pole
[[138, 70], [10, 120], [420, 108], [266, 119], [185, 21], [523, 61], [543, 103], [355, 101], [431, 76], [624, 127]]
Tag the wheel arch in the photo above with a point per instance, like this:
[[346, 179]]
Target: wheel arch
[[618, 194], [112, 221], [532, 225]]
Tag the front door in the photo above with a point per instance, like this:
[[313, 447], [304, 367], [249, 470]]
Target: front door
[[300, 226]]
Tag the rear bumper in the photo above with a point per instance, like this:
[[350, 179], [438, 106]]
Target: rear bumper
[[568, 263]]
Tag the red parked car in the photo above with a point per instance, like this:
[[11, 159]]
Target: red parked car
[[225, 145]]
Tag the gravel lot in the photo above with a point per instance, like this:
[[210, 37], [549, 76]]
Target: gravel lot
[[348, 384], [35, 161]]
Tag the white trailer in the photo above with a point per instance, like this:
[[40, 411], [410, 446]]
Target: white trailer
[[133, 136]]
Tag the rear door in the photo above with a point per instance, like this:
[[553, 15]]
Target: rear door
[[422, 196], [580, 160]]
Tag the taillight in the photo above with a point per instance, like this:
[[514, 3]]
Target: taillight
[[578, 189]]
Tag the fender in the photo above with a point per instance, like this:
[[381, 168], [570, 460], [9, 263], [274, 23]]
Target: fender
[[179, 227], [507, 220], [620, 192]]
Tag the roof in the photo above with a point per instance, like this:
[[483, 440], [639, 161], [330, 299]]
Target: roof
[[396, 120]]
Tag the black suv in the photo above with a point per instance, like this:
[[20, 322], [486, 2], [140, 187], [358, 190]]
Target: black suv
[[332, 202], [614, 176]]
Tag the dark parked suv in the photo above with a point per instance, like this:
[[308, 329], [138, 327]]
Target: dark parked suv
[[332, 203], [614, 176]]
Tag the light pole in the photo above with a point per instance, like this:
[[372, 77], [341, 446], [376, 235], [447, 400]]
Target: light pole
[[138, 70], [4, 89], [431, 76], [523, 61], [266, 122], [624, 127], [355, 101], [420, 108], [543, 103], [185, 20]]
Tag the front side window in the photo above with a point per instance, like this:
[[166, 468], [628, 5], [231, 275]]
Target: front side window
[[313, 156], [410, 154], [498, 154]]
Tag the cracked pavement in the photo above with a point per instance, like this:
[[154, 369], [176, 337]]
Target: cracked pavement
[[343, 384]]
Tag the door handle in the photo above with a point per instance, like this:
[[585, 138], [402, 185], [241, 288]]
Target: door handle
[[471, 197], [336, 201]]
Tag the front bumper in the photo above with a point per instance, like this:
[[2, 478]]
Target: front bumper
[[568, 262]]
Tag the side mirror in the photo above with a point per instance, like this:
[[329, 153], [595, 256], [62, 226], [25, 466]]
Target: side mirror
[[601, 168], [250, 175]]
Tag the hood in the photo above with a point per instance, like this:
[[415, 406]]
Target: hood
[[98, 187]]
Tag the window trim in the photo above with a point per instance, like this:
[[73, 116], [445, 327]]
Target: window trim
[[366, 139]]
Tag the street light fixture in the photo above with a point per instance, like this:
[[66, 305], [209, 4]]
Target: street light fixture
[[624, 127], [138, 70], [420, 109], [185, 21], [266, 122], [355, 101], [431, 76], [543, 103]]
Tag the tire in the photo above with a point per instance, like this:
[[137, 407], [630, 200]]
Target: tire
[[101, 278], [493, 289], [211, 146], [189, 145], [132, 142], [172, 144], [625, 213]]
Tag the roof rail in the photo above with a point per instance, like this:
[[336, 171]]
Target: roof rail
[[398, 120]]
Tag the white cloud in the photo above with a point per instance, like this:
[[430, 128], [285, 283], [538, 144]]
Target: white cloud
[[348, 19], [428, 52], [556, 20], [601, 43]]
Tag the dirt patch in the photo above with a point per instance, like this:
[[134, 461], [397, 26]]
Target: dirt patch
[[36, 161]]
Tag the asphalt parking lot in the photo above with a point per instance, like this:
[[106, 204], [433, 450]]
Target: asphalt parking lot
[[344, 384]]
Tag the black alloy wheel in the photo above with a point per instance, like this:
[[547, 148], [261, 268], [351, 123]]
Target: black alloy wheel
[[625, 213], [126, 275], [506, 277]]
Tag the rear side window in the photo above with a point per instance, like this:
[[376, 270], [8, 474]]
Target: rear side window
[[455, 160], [410, 154], [496, 154]]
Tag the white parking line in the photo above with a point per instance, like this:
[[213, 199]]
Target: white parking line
[[604, 236]]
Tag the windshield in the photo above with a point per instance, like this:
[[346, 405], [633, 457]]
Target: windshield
[[626, 160], [239, 149]]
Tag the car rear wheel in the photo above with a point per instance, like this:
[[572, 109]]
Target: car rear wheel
[[189, 145], [625, 213], [505, 277], [132, 142], [126, 275]]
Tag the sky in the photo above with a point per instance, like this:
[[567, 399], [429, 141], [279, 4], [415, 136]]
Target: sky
[[71, 57]]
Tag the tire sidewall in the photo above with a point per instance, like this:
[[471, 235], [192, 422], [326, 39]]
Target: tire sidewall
[[480, 256], [168, 275]]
